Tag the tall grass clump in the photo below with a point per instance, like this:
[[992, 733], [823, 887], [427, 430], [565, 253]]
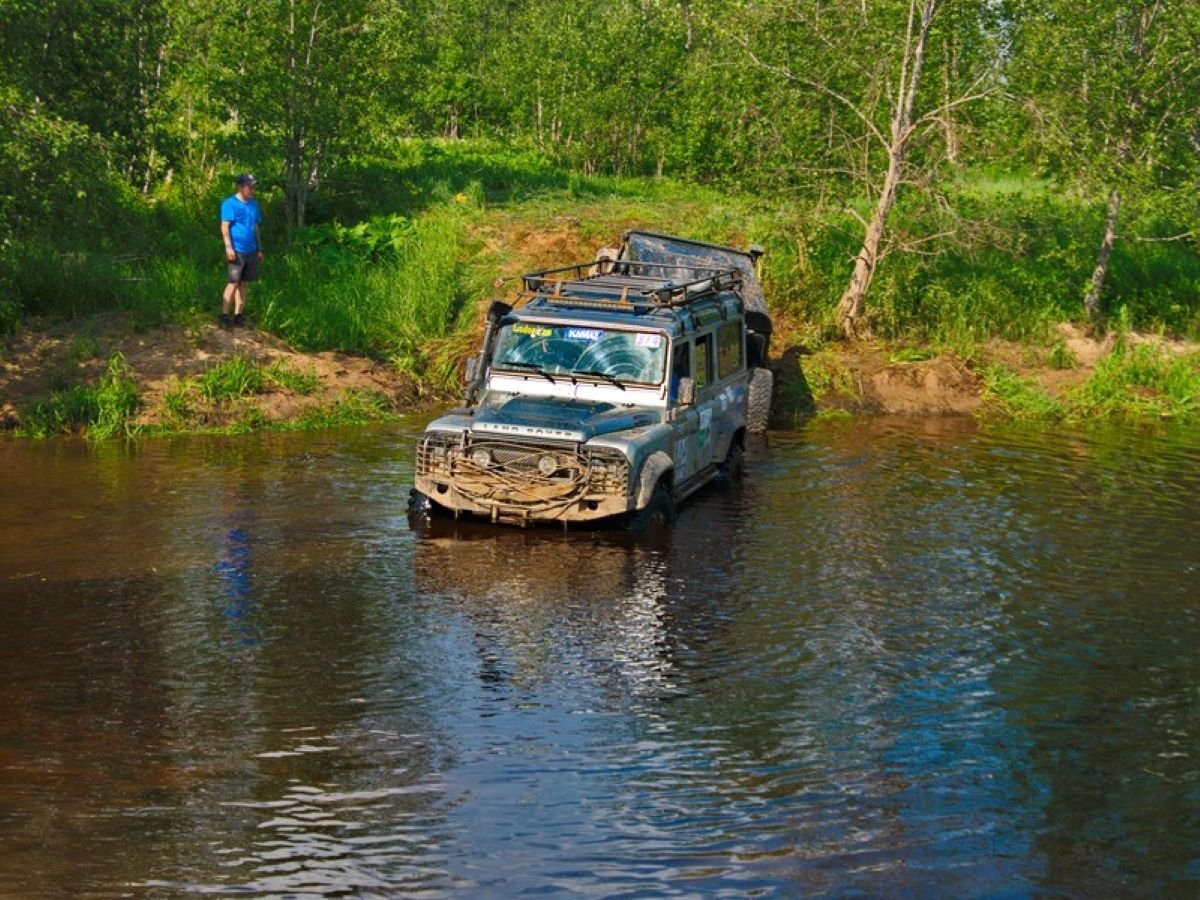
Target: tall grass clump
[[235, 377], [1015, 397], [1141, 382], [102, 410], [386, 287]]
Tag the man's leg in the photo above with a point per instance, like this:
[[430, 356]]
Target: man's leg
[[230, 302], [239, 303], [227, 304]]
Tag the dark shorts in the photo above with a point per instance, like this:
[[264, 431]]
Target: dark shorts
[[244, 268]]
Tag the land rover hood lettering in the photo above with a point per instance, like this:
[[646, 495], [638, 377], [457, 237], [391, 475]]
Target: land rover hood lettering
[[556, 419]]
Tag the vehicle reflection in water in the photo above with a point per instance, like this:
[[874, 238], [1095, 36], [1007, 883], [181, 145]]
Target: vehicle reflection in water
[[622, 605]]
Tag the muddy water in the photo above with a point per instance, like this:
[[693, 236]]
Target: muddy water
[[904, 658]]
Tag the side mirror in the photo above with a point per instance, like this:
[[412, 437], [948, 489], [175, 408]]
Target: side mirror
[[497, 311], [687, 391], [472, 366]]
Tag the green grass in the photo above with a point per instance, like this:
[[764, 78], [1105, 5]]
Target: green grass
[[1141, 382], [286, 376], [1061, 356], [348, 408], [911, 355], [235, 377], [102, 410], [1014, 397], [392, 259]]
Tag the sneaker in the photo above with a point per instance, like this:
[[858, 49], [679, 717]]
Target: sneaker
[[237, 321], [226, 321]]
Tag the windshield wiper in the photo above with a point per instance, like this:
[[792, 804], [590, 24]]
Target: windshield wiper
[[598, 374], [532, 367]]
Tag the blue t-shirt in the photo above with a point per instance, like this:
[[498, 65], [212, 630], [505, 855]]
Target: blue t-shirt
[[243, 216]]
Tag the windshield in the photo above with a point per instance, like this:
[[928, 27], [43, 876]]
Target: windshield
[[621, 357]]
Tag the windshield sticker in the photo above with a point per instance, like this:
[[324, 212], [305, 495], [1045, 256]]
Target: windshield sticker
[[587, 335], [537, 331], [654, 341]]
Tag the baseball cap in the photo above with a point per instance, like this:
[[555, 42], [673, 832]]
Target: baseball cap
[[245, 178]]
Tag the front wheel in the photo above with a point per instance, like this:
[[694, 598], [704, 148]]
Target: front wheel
[[419, 504], [729, 473], [658, 513]]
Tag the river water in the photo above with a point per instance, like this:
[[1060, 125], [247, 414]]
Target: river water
[[906, 657]]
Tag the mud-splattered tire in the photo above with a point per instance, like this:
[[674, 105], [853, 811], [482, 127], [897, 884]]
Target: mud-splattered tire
[[419, 504], [658, 513], [729, 473], [758, 401]]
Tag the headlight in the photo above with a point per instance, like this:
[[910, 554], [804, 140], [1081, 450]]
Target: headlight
[[548, 464], [482, 457]]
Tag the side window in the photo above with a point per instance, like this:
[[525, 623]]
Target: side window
[[729, 349], [702, 361], [681, 366], [681, 360]]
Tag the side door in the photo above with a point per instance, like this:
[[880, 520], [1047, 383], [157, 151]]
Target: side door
[[687, 418], [704, 371], [732, 380]]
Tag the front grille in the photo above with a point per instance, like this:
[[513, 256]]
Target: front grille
[[513, 472]]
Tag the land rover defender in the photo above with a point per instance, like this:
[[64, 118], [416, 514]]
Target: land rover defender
[[615, 387]]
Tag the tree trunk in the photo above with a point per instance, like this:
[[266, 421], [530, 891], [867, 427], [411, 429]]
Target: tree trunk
[[853, 304], [949, 75], [1091, 302], [852, 307]]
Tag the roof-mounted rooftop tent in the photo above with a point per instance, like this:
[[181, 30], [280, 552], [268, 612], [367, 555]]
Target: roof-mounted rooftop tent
[[667, 250], [629, 284]]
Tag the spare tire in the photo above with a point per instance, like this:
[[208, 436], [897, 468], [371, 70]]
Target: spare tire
[[758, 401]]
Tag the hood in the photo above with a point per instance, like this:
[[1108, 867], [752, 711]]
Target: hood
[[558, 419]]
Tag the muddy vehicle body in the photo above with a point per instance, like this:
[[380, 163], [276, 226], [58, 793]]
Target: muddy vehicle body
[[614, 388]]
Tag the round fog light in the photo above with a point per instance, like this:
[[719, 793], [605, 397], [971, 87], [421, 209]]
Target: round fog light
[[482, 457], [547, 465]]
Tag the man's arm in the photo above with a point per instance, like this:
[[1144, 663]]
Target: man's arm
[[258, 241], [229, 254]]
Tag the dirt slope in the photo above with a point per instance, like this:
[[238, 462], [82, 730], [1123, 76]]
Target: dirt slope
[[49, 356]]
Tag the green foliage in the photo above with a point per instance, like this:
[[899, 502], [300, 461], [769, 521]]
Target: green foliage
[[1016, 397], [1061, 356], [289, 378], [401, 132], [178, 405], [102, 410], [235, 377], [382, 290], [341, 248], [1142, 382], [348, 408], [911, 355]]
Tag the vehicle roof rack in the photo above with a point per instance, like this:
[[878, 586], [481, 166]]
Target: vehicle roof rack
[[627, 284]]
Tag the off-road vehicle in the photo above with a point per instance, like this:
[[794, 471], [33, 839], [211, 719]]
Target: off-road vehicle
[[615, 387]]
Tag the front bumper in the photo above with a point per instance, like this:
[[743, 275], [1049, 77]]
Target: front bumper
[[522, 483]]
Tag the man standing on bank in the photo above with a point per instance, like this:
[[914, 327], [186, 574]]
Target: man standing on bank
[[240, 218]]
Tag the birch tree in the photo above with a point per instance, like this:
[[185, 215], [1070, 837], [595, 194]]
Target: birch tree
[[1115, 92], [865, 62]]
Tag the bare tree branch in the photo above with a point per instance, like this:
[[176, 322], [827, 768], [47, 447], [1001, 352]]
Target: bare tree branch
[[819, 87]]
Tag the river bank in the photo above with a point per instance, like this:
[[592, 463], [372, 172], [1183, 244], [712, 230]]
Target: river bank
[[199, 377]]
